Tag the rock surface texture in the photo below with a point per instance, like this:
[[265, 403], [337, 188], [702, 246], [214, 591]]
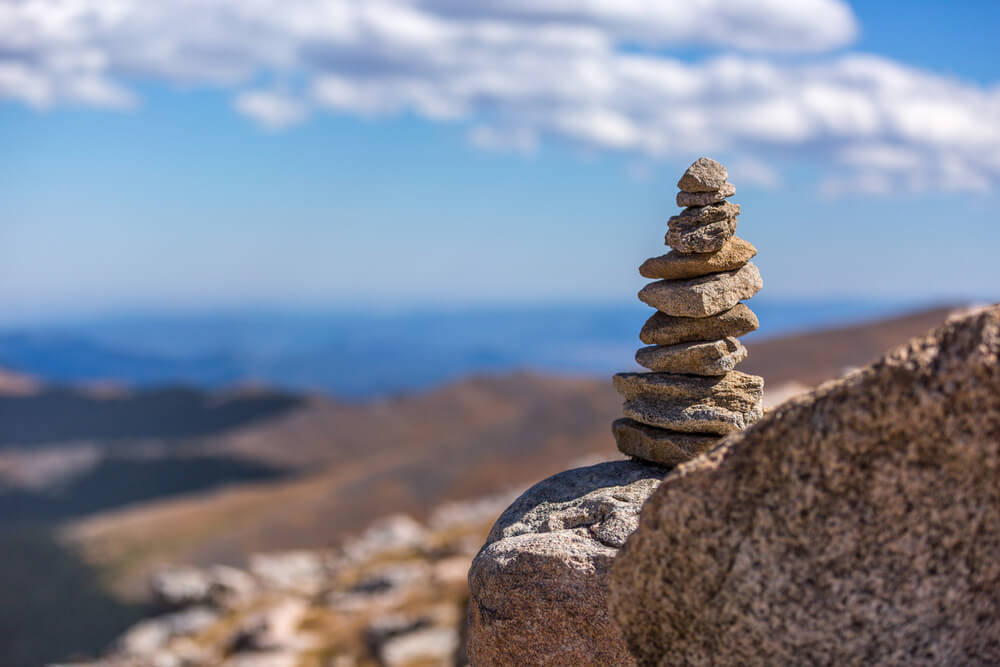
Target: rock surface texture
[[714, 357], [858, 524], [663, 329], [694, 387], [735, 253], [538, 586], [703, 296]]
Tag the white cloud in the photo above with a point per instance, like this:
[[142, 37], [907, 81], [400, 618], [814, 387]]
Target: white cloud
[[518, 71], [758, 25], [272, 110]]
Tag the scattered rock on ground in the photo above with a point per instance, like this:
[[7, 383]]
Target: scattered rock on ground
[[147, 636], [305, 572], [273, 629], [218, 585], [395, 533]]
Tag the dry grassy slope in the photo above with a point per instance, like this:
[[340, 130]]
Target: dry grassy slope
[[18, 384], [811, 358], [409, 454]]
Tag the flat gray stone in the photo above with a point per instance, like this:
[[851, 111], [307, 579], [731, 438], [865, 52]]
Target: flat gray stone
[[714, 357], [692, 404], [676, 265], [705, 198], [704, 175], [659, 445], [703, 296], [537, 586], [663, 329]]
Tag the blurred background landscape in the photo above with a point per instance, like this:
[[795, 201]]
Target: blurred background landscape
[[274, 273]]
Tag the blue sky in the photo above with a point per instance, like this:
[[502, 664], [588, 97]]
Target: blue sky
[[401, 153]]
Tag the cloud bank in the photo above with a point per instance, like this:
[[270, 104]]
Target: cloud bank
[[520, 72]]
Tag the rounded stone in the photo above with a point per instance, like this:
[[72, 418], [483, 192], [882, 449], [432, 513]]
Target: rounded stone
[[537, 587], [704, 175]]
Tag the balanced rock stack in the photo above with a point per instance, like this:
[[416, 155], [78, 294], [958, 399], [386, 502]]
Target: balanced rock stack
[[693, 396]]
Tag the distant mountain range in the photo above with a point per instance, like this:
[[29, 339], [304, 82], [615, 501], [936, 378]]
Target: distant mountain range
[[359, 355]]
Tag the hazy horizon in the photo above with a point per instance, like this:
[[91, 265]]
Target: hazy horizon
[[364, 354]]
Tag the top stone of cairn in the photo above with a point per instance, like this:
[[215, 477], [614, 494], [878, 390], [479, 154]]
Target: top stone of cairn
[[705, 175]]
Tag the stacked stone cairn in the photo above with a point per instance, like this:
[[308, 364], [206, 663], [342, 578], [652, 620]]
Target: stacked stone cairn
[[693, 396]]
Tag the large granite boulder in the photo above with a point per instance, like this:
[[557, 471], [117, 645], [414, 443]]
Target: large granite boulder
[[538, 586], [858, 524]]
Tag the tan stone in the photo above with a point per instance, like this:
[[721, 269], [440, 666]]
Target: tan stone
[[659, 445], [693, 404], [701, 239], [698, 418], [734, 388], [702, 229], [705, 198], [676, 265], [714, 357], [705, 295], [663, 329], [856, 525], [704, 175], [700, 215]]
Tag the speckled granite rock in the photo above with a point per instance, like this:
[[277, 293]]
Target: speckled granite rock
[[657, 444], [706, 198], [704, 296], [704, 175], [537, 587], [858, 524], [663, 329], [713, 357], [674, 265], [692, 404]]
